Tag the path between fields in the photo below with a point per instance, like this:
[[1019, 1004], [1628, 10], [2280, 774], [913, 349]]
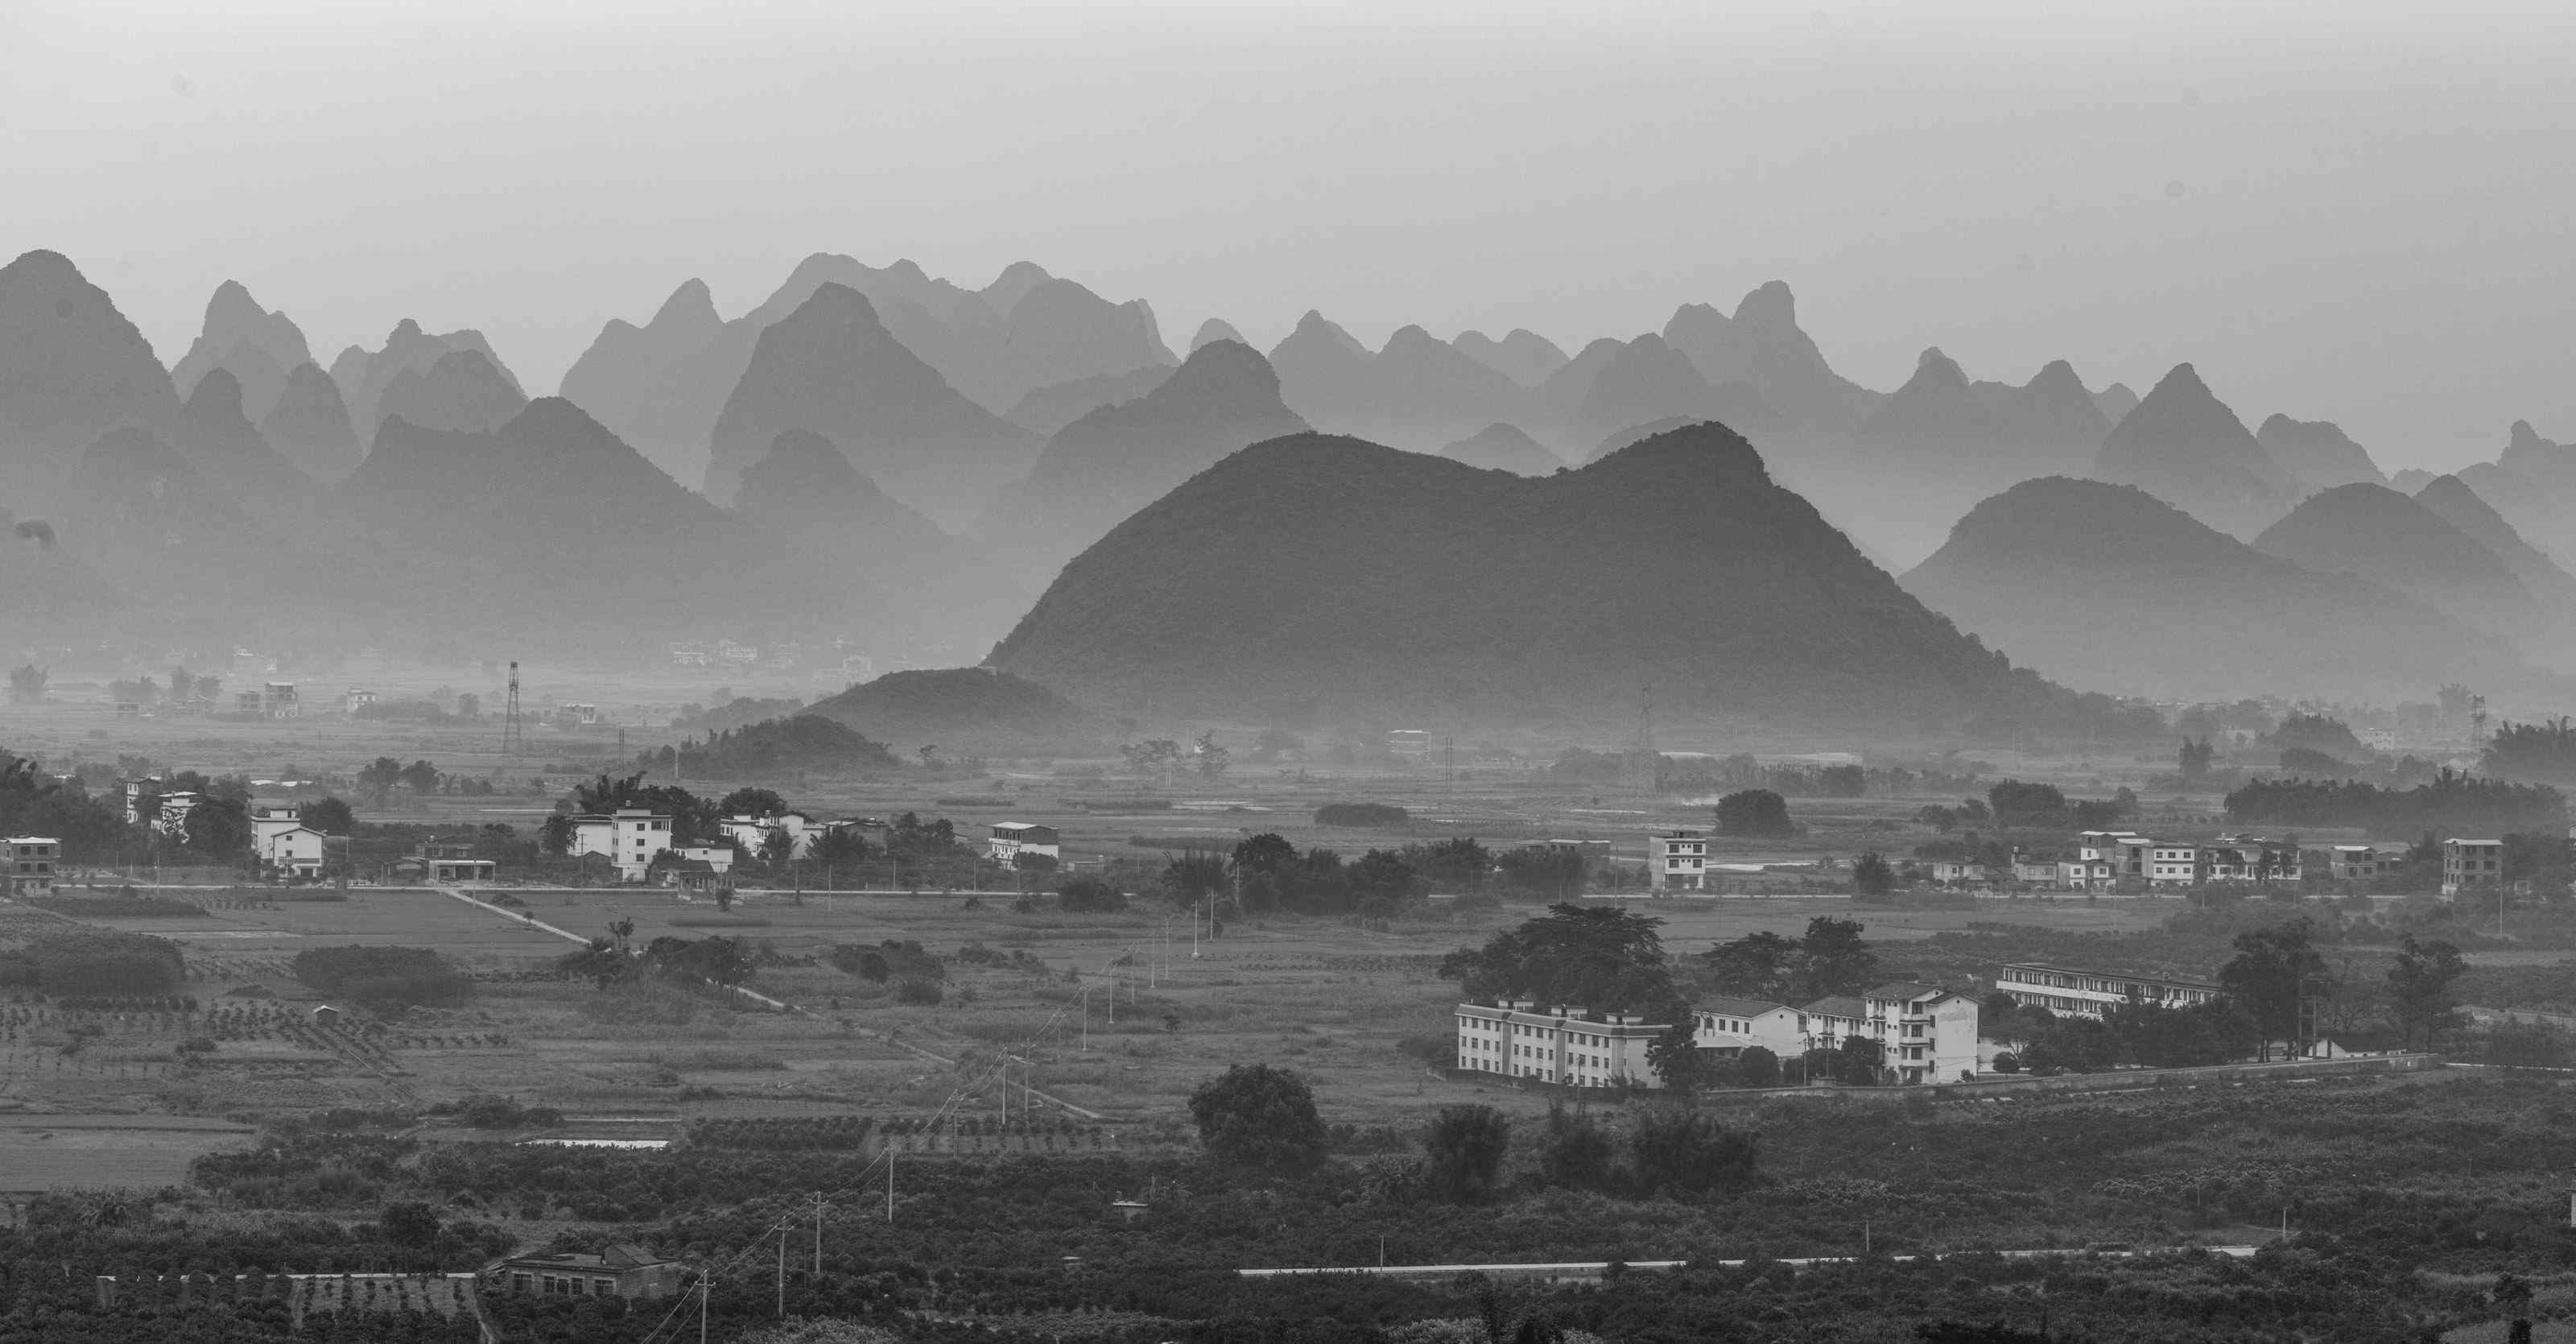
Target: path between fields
[[778, 1004], [1595, 1268]]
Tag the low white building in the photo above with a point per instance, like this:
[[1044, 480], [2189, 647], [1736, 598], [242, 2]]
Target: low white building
[[752, 832], [1571, 1046], [1731, 1026], [2087, 993], [296, 851], [628, 838], [1011, 839], [717, 858], [1678, 860]]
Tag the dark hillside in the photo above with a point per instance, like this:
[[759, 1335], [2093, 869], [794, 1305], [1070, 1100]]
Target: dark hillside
[[1315, 571]]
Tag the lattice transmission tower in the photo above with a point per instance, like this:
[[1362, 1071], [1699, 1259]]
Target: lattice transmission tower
[[514, 731]]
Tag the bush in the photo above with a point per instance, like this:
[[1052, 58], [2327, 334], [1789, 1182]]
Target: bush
[[1254, 1115], [1756, 812], [96, 963], [1463, 1152], [2007, 1062], [1090, 895], [385, 979], [1361, 814], [919, 993], [1685, 1151]]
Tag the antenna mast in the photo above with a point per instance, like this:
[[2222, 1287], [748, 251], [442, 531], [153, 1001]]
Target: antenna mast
[[514, 733]]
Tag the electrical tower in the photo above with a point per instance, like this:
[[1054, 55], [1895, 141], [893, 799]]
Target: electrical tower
[[1642, 762], [514, 733], [2477, 723]]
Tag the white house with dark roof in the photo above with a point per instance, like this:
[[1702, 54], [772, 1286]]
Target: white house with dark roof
[[1730, 1026], [1928, 1034]]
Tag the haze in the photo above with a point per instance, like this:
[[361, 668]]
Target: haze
[[2367, 224]]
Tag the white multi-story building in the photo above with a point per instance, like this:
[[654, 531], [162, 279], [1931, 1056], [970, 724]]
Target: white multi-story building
[[2471, 865], [629, 837], [296, 851], [1011, 839], [2173, 863], [2353, 863], [1678, 860], [2104, 859], [2066, 989], [1571, 1046], [752, 832], [1927, 1034], [33, 860]]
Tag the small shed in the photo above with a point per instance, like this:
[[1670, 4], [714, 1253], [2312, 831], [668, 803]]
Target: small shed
[[324, 1015], [1128, 1210]]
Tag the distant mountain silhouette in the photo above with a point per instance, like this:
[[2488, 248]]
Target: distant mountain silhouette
[[2532, 483], [833, 368], [1324, 372], [2317, 452], [1621, 438], [806, 494], [551, 527], [1763, 345], [2115, 402], [227, 449], [1501, 447], [147, 519], [1216, 329], [462, 391], [2185, 447], [1118, 459], [963, 709], [2111, 588], [1047, 409], [71, 369], [1327, 575], [663, 386], [1424, 388], [1524, 356], [310, 426], [1566, 389], [364, 376], [649, 383], [259, 347], [2548, 582], [1649, 380], [2402, 545]]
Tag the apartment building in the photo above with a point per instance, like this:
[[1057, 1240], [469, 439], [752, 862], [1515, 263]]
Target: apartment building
[[1925, 1034], [2353, 863], [2470, 866], [1575, 1047], [33, 863], [2105, 859], [2091, 993], [1011, 839], [628, 838], [1678, 860]]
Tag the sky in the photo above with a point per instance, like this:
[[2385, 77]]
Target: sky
[[2357, 212]]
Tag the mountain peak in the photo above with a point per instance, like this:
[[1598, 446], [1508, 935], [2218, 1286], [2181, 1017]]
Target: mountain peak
[[2524, 436], [691, 305], [1216, 329], [218, 393], [1936, 369], [1770, 307]]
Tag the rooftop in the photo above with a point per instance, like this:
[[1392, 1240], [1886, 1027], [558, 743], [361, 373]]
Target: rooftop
[[1734, 1007], [1837, 1005], [1904, 991], [2142, 977]]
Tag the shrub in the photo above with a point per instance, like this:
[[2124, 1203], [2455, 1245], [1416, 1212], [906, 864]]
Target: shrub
[[1463, 1152], [921, 993], [1756, 812], [1257, 1116], [386, 979], [1090, 894]]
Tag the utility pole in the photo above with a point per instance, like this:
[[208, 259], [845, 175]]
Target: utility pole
[[818, 1234], [702, 1311], [781, 1313], [1006, 1106], [514, 736]]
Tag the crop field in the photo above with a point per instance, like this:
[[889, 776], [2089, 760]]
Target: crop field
[[71, 1150]]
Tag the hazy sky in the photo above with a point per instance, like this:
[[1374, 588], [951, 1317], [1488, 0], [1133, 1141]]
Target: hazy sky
[[2346, 212]]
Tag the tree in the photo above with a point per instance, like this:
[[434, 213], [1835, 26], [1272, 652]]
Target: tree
[[409, 1223], [1677, 1059], [1606, 959], [1254, 1115], [27, 685], [1756, 812], [1937, 817], [748, 801], [1757, 1067], [555, 834], [219, 827], [379, 778], [2194, 758], [1456, 864], [1383, 875], [328, 815], [1212, 758], [839, 847], [2269, 974], [1543, 870], [1673, 1148], [1574, 1153], [1463, 1152], [2032, 805], [777, 848], [1192, 878], [1151, 757], [421, 777], [1267, 852], [469, 705], [1090, 894], [1857, 1061], [1834, 960], [2420, 982], [1871, 875]]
